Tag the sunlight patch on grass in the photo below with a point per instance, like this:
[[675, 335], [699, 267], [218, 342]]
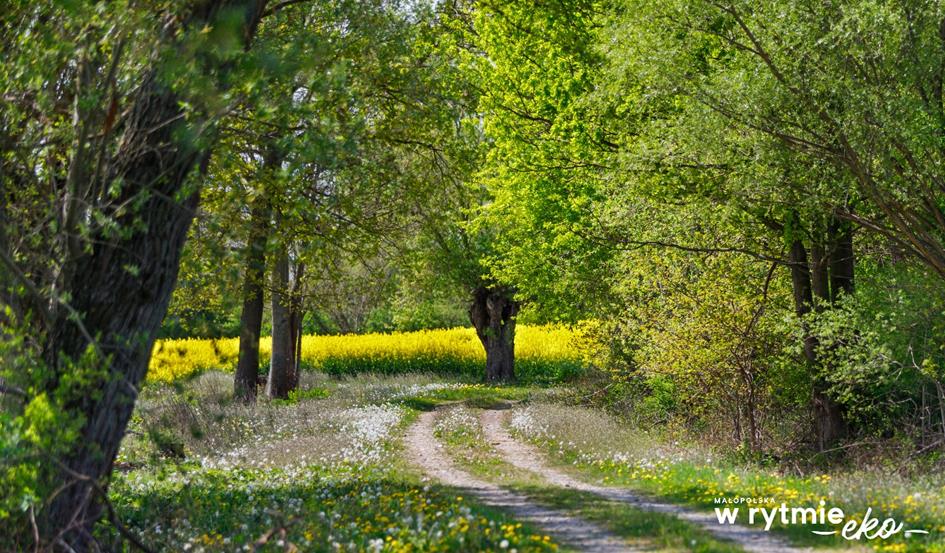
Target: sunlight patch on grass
[[593, 444]]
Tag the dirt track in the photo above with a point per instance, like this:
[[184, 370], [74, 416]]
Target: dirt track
[[425, 452], [526, 457]]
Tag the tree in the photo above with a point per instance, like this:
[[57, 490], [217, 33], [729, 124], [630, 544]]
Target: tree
[[440, 145], [282, 364], [251, 315], [853, 84], [602, 154], [108, 117], [533, 67]]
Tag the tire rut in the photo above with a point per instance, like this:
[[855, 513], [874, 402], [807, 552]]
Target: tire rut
[[526, 457], [425, 451]]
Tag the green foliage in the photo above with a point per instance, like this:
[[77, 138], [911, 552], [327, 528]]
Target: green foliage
[[654, 172], [19, 478], [535, 65], [708, 345], [300, 394], [36, 428], [427, 314], [882, 348]]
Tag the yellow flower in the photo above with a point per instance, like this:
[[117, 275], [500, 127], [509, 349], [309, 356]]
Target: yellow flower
[[174, 359]]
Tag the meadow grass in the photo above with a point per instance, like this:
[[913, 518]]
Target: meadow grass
[[320, 473], [199, 471], [601, 448]]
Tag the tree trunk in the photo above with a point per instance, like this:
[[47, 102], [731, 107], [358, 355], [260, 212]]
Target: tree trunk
[[295, 326], [832, 424], [492, 313], [842, 260], [247, 368], [283, 342], [120, 289], [803, 297], [828, 418], [819, 273]]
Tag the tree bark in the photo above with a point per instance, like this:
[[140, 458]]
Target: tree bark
[[492, 313], [803, 296], [295, 326], [842, 260], [119, 292], [247, 368], [833, 425], [283, 342], [828, 420], [819, 273]]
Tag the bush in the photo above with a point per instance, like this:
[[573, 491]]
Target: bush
[[882, 351], [701, 346]]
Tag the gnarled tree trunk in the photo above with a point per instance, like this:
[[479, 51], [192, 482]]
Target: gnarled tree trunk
[[492, 313]]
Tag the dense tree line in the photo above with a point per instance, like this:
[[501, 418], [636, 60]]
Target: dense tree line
[[782, 155]]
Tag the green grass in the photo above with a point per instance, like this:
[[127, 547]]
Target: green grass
[[666, 472], [640, 527], [472, 395], [296, 396], [688, 484], [313, 508], [463, 440]]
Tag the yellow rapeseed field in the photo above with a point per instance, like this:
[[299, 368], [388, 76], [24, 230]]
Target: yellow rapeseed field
[[543, 353]]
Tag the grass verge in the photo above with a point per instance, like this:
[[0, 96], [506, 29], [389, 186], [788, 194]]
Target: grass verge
[[597, 448], [458, 428]]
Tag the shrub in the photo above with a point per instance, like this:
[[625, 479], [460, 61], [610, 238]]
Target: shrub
[[882, 351], [700, 345]]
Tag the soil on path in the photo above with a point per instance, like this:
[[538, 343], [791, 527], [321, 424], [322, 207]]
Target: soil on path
[[425, 451], [526, 457]]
